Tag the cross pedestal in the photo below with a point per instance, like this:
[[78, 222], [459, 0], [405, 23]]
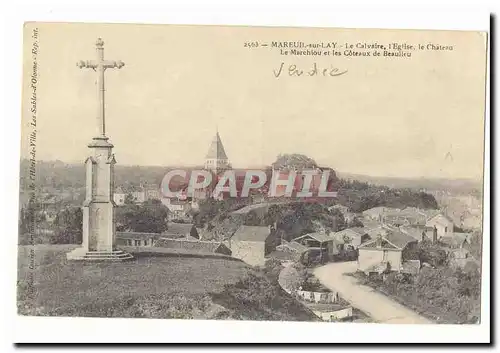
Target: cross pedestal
[[99, 236]]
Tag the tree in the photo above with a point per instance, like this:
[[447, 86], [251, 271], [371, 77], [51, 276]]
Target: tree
[[360, 196], [68, 224], [476, 245], [302, 217], [274, 215], [129, 199], [295, 160], [150, 217], [29, 216], [252, 219], [211, 209], [432, 254], [355, 223]]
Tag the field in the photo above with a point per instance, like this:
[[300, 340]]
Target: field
[[153, 285]]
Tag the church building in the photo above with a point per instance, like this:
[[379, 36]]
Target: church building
[[216, 159]]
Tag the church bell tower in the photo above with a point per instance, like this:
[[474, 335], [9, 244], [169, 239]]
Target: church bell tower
[[216, 159]]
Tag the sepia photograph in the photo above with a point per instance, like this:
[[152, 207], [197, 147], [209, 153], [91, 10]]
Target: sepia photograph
[[326, 175]]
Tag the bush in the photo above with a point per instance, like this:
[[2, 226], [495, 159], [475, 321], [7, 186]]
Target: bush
[[255, 297], [443, 294]]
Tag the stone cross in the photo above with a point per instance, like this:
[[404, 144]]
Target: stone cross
[[100, 65]]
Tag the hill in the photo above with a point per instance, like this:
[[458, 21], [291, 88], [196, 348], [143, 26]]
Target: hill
[[150, 286], [60, 175], [459, 186]]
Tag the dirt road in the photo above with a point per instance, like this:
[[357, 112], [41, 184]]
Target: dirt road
[[378, 306]]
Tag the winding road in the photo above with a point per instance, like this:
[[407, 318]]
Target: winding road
[[379, 307]]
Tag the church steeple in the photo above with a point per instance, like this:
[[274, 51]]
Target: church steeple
[[216, 158]]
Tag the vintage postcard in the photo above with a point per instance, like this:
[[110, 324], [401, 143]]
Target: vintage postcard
[[252, 173]]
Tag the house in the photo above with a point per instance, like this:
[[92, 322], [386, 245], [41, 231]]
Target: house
[[139, 196], [317, 297], [145, 193], [180, 230], [386, 251], [408, 216], [370, 224], [455, 240], [376, 213], [373, 231], [442, 224], [285, 257], [288, 252], [351, 237], [292, 246], [136, 239], [253, 243], [331, 312], [178, 209], [429, 213], [418, 232], [119, 198], [152, 193], [472, 222], [322, 242], [462, 258]]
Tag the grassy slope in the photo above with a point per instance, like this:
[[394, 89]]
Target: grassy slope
[[159, 286]]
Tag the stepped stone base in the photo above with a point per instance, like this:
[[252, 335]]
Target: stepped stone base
[[83, 254]]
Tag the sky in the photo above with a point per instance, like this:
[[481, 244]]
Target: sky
[[406, 117]]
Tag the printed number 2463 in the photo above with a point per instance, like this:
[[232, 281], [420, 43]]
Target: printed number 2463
[[251, 44]]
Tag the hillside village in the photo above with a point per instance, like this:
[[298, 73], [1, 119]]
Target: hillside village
[[405, 232]]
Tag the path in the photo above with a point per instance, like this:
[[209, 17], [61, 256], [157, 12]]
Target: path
[[376, 305]]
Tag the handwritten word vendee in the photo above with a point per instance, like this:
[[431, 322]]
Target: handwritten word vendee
[[294, 71]]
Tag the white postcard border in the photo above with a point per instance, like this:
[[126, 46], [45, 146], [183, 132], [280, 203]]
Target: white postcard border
[[44, 329]]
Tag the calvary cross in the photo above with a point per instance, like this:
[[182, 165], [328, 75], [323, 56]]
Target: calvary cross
[[100, 65]]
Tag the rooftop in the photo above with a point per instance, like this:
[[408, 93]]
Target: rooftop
[[136, 235], [297, 247], [179, 228], [440, 218], [326, 307], [391, 238], [191, 245], [399, 239], [284, 255], [415, 232], [379, 210], [251, 233], [456, 240], [216, 149], [252, 207], [320, 237]]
